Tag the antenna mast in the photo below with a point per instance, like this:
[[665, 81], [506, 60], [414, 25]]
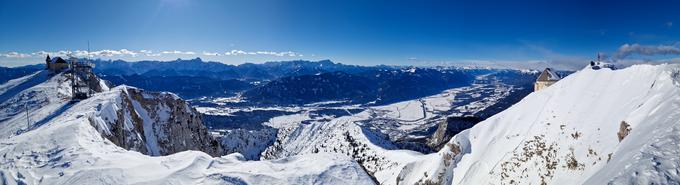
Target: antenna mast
[[599, 56], [81, 76]]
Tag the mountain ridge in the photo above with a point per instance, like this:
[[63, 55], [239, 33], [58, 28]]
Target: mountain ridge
[[569, 131], [118, 136]]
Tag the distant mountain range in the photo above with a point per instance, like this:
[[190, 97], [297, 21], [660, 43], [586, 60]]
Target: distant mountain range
[[16, 72], [281, 83], [196, 78], [216, 70], [288, 82], [184, 86], [380, 86]]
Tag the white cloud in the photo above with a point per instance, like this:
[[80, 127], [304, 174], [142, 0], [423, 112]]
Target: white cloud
[[211, 53], [44, 53], [148, 53], [105, 53], [280, 54], [235, 52], [179, 52], [272, 53], [81, 53], [669, 24], [14, 54], [629, 62], [506, 64], [630, 49]]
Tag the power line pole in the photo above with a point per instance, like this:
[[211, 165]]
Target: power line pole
[[28, 122]]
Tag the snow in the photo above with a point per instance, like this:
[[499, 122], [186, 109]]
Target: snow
[[287, 120], [16, 82], [401, 119], [342, 135], [304, 132], [406, 119], [149, 131], [36, 94], [322, 103], [407, 110], [552, 75], [234, 99], [249, 143], [567, 133], [68, 149]]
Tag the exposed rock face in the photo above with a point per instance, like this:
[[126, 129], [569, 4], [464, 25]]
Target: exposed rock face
[[151, 123], [448, 128], [624, 129], [249, 143], [96, 84], [154, 124]]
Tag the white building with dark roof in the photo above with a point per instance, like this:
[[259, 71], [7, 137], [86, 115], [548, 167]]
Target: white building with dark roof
[[546, 79]]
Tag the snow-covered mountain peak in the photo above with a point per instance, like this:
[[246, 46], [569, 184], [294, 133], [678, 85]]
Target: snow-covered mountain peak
[[592, 127], [596, 126], [103, 139]]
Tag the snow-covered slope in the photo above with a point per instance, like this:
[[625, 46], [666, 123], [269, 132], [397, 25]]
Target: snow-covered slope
[[378, 156], [86, 143], [373, 136], [593, 127], [42, 94]]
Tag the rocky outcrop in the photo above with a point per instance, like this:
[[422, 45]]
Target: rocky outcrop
[[153, 123], [249, 143], [624, 129], [448, 128]]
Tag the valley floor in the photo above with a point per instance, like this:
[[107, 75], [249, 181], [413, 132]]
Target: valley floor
[[407, 124]]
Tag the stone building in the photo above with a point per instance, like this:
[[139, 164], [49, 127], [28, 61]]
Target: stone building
[[56, 64]]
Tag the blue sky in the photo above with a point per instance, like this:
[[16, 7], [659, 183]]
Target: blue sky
[[395, 32]]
